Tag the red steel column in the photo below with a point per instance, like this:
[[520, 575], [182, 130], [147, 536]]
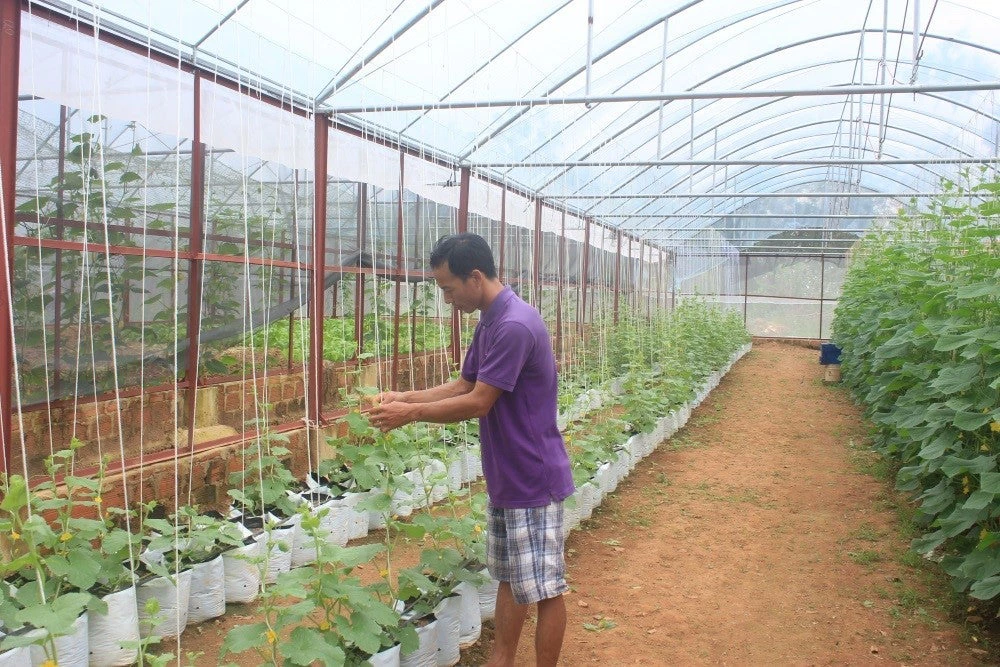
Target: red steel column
[[463, 226], [197, 212], [10, 52], [394, 381], [315, 376]]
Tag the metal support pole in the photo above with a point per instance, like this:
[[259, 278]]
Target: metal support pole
[[359, 280], [916, 41], [590, 43], [394, 381], [10, 51], [884, 66], [536, 265], [559, 289], [503, 233], [60, 232], [836, 91], [663, 84], [691, 148], [463, 226], [584, 277], [746, 286], [320, 177], [195, 266], [822, 292], [618, 272], [762, 162]]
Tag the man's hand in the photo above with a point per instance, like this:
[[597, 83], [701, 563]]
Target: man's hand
[[392, 414], [384, 397]]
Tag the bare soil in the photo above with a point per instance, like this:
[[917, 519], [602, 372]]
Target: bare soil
[[760, 534]]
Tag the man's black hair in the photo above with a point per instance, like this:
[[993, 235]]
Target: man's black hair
[[464, 253]]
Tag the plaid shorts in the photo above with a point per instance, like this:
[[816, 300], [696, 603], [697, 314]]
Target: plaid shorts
[[525, 549]]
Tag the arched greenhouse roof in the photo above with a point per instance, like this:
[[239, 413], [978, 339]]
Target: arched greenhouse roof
[[671, 120]]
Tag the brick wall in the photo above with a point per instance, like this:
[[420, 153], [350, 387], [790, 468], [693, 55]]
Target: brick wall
[[222, 411]]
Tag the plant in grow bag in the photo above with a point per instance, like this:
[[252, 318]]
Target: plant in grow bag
[[333, 619], [53, 567]]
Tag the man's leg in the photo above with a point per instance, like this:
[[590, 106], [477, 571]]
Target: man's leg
[[550, 630], [508, 621]]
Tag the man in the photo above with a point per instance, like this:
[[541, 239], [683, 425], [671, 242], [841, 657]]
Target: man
[[509, 382]]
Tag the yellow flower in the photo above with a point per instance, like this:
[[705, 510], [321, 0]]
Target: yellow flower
[[984, 448], [272, 636], [324, 625], [65, 537], [478, 528], [49, 663], [982, 534], [98, 500], [15, 535], [383, 573], [995, 427]]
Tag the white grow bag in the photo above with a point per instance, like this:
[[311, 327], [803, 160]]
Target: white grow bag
[[71, 650], [173, 599], [208, 591], [426, 653], [120, 625], [241, 572]]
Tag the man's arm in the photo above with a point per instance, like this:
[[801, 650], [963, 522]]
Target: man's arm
[[451, 389], [474, 403]]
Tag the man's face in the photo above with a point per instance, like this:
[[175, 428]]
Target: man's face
[[464, 296]]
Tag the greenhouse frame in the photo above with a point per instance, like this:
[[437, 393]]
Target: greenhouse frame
[[218, 213]]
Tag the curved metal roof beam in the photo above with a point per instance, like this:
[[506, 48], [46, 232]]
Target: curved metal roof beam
[[774, 117], [746, 113], [755, 82], [764, 55], [712, 128], [509, 45], [766, 169], [232, 12], [795, 178], [695, 37], [335, 84], [603, 54], [680, 213]]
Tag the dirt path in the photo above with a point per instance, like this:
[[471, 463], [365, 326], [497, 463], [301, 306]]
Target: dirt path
[[752, 537]]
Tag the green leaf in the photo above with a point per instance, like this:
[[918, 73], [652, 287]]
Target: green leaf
[[976, 291], [978, 500], [308, 645], [16, 495], [954, 465], [990, 482], [987, 589], [244, 637], [953, 379], [970, 421], [949, 342]]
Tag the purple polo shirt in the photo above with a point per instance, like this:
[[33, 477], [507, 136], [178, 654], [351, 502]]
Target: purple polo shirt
[[524, 458]]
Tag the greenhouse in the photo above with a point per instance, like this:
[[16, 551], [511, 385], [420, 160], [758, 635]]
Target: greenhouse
[[763, 238]]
